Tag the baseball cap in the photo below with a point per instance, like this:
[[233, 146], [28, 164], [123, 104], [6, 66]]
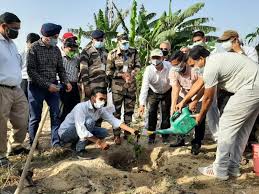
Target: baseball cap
[[227, 35], [156, 52]]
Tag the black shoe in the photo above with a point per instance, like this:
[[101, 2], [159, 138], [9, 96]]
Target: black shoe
[[18, 151], [151, 140], [196, 149], [83, 155], [4, 162], [126, 135], [178, 143], [165, 140]]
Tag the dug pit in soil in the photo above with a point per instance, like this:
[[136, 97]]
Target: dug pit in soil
[[126, 160]]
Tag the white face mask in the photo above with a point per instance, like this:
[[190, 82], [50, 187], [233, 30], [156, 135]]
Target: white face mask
[[227, 46], [156, 62], [99, 104], [199, 43], [178, 68]]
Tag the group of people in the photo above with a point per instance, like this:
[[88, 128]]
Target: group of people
[[218, 85], [221, 85], [43, 72]]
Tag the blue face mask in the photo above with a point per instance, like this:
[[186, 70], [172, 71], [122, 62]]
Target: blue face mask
[[199, 70], [53, 42], [124, 46], [98, 44]]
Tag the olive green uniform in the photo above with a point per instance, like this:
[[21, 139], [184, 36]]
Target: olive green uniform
[[93, 67], [119, 62]]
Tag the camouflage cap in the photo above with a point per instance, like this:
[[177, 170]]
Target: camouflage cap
[[122, 36], [156, 52]]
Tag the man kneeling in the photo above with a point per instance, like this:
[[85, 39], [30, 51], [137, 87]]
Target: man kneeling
[[79, 127]]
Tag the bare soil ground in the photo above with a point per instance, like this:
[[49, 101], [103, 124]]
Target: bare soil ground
[[158, 170]]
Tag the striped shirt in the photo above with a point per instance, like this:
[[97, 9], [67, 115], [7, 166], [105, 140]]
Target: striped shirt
[[72, 68], [230, 71]]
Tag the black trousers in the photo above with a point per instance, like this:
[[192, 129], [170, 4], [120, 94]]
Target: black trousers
[[154, 99], [199, 129], [69, 100]]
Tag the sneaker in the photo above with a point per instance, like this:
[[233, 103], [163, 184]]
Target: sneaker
[[208, 171], [4, 162], [195, 149], [117, 140], [178, 143], [165, 139], [82, 155], [235, 172], [18, 151]]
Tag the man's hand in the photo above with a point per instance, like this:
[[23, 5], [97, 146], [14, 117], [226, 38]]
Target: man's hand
[[173, 110], [137, 133], [53, 88], [126, 76], [134, 73], [141, 110], [193, 106], [179, 106], [69, 87], [102, 145], [198, 118]]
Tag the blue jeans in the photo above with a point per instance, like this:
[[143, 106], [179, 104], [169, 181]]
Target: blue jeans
[[36, 96], [70, 135]]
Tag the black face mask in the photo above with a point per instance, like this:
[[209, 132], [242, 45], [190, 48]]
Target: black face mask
[[165, 52], [12, 33]]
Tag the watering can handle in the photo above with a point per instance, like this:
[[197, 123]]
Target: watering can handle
[[176, 115]]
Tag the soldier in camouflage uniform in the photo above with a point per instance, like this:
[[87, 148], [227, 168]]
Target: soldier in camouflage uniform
[[122, 65], [93, 64]]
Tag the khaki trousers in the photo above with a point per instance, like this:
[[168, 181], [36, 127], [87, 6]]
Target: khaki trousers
[[13, 107]]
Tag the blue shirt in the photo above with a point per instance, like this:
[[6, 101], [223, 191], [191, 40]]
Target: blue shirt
[[10, 63]]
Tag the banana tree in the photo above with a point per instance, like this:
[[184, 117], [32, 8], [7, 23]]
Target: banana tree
[[252, 36], [103, 23], [178, 28]]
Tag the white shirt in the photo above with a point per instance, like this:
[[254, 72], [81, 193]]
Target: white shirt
[[77, 117], [157, 81], [10, 63], [251, 53], [24, 65], [230, 71]]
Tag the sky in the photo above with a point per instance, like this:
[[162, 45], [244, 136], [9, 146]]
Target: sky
[[238, 15]]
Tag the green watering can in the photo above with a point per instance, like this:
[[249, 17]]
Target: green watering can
[[181, 123]]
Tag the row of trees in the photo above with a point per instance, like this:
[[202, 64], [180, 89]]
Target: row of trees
[[147, 30]]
